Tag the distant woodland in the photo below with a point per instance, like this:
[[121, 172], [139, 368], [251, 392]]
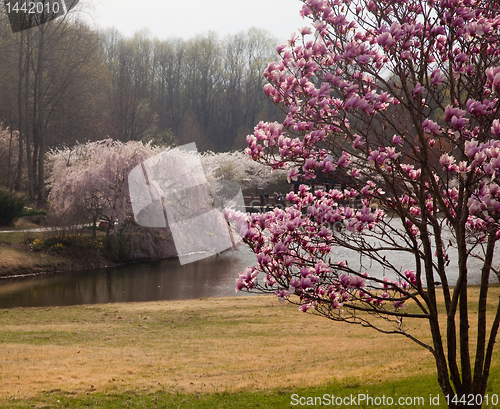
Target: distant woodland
[[63, 82]]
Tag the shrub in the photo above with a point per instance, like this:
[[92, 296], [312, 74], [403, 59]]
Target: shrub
[[87, 242], [37, 245], [60, 242], [58, 239], [131, 242], [11, 207], [29, 212]]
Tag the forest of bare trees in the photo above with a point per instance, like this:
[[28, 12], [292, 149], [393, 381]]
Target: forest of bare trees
[[63, 82]]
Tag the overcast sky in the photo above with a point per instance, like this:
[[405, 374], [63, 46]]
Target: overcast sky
[[186, 18]]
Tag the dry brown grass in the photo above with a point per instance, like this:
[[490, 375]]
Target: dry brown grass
[[206, 345], [15, 261]]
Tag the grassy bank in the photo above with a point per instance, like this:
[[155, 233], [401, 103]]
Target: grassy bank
[[16, 257], [18, 261], [230, 352], [25, 252]]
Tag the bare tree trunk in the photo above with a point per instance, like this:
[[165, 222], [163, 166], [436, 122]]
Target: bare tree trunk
[[9, 171], [29, 140], [22, 78], [39, 153], [94, 225]]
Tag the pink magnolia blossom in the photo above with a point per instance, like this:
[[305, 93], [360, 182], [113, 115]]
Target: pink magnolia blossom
[[431, 126], [451, 112], [385, 39], [495, 127], [418, 89], [437, 78]]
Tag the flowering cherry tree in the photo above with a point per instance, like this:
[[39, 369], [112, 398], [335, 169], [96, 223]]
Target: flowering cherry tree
[[400, 101], [238, 167], [89, 181]]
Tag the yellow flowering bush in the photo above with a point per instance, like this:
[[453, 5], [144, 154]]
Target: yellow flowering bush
[[37, 245], [90, 242]]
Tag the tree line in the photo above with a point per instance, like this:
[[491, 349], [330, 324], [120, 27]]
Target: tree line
[[64, 82], [206, 89]]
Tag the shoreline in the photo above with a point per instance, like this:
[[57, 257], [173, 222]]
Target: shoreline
[[71, 270], [19, 261]]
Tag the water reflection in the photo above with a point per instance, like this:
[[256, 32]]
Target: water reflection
[[162, 280]]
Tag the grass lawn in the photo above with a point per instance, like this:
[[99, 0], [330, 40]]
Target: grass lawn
[[215, 353], [21, 224]]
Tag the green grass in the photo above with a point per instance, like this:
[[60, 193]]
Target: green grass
[[350, 390], [20, 237]]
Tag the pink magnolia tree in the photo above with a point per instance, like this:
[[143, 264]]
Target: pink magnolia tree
[[399, 101]]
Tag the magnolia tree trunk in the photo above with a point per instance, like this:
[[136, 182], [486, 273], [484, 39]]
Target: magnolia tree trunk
[[398, 103]]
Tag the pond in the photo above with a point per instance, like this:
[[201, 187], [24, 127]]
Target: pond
[[152, 281], [169, 280]]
